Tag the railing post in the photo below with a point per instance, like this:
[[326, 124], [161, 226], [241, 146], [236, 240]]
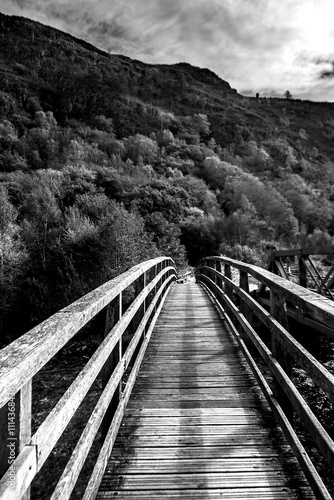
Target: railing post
[[113, 314], [219, 280], [279, 311], [155, 288], [244, 281], [211, 264], [139, 287], [228, 275], [210, 273], [15, 425], [203, 271], [244, 309], [302, 272]]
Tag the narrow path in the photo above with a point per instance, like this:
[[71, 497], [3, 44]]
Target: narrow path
[[197, 426]]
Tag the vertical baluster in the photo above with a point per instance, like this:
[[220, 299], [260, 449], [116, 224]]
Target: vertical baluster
[[228, 275], [244, 281], [214, 277], [203, 271], [113, 315], [302, 272], [213, 267], [139, 287], [156, 288], [279, 311], [245, 310], [219, 280]]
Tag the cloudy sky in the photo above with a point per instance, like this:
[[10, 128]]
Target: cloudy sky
[[265, 46]]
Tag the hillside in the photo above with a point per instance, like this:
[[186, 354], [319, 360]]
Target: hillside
[[41, 66], [106, 161]]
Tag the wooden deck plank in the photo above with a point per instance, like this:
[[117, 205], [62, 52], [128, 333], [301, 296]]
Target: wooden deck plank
[[280, 493], [195, 391], [192, 431], [197, 425], [195, 440], [190, 383], [221, 381], [191, 412], [185, 421], [228, 403], [189, 465], [205, 480], [181, 452]]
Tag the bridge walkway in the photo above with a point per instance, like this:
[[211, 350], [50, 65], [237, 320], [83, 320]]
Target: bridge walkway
[[197, 425]]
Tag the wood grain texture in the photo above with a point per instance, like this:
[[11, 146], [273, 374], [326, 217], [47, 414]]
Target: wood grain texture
[[24, 357], [25, 467], [197, 425], [278, 493], [317, 307], [41, 343], [322, 439], [100, 466]]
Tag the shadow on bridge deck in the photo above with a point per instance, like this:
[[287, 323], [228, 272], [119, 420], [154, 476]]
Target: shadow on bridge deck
[[197, 425]]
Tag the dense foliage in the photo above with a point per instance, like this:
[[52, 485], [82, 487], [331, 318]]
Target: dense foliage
[[106, 161]]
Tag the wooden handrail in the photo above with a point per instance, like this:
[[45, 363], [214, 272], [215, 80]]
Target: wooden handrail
[[22, 359], [280, 263], [307, 302], [239, 308], [183, 276], [329, 249]]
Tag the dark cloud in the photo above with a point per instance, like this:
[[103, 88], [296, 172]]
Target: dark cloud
[[109, 29], [328, 74]]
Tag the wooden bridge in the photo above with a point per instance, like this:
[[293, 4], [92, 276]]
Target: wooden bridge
[[198, 397], [281, 262]]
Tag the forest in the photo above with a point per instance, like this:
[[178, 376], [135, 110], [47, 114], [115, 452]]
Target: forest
[[107, 161]]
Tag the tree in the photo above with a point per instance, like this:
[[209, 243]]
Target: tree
[[141, 146], [288, 95], [12, 260], [201, 235], [161, 196], [200, 195], [166, 236]]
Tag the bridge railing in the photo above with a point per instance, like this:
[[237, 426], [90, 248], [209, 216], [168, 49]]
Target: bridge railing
[[229, 281], [23, 454], [309, 276], [183, 277]]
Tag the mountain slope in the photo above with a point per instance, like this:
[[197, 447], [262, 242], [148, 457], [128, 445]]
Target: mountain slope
[[106, 161], [41, 66]]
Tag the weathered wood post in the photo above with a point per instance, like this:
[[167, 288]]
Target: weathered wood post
[[302, 271], [219, 280], [279, 311], [214, 278], [139, 287], [244, 281], [155, 291], [140, 284], [228, 274], [159, 269], [112, 316], [15, 432], [211, 264], [203, 271], [244, 309]]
